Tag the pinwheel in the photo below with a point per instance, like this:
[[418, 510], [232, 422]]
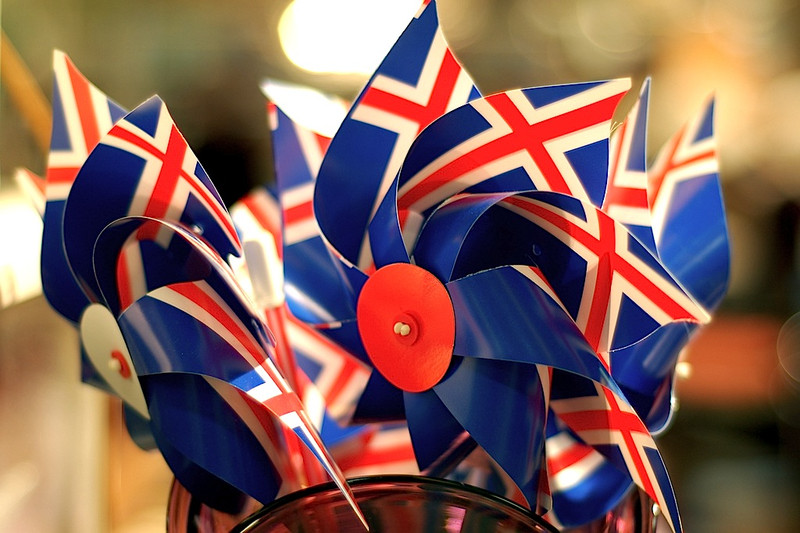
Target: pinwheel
[[81, 115], [676, 209], [491, 293], [130, 234], [329, 374]]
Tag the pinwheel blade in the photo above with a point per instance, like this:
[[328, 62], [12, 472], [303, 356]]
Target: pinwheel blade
[[438, 447], [609, 283], [583, 484], [453, 243], [220, 337], [688, 210], [82, 114], [315, 289], [418, 81], [217, 448], [602, 418], [144, 168], [546, 138], [506, 399], [645, 372], [494, 306], [626, 196], [135, 255]]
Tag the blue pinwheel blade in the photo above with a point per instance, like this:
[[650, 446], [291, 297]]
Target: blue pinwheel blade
[[143, 167], [494, 399], [626, 196], [385, 232], [81, 115], [315, 289], [504, 315], [206, 444], [452, 244], [380, 402], [318, 289], [645, 372], [418, 81], [501, 143], [607, 281], [208, 328], [601, 417], [689, 212], [135, 255], [298, 153], [206, 315], [440, 441], [334, 434], [583, 483]]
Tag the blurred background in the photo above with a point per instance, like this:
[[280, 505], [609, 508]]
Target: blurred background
[[734, 447]]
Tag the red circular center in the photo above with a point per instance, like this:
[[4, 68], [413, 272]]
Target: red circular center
[[124, 369], [407, 325]]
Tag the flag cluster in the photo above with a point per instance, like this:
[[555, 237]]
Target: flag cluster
[[297, 330]]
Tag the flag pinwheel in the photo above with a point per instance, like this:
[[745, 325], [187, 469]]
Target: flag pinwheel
[[146, 238], [486, 288], [332, 376]]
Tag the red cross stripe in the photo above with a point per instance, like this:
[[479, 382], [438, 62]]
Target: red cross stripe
[[674, 158], [683, 157], [297, 204], [406, 109], [688, 155], [342, 377], [566, 456], [612, 270], [607, 416], [670, 155], [167, 181], [166, 197], [607, 419], [626, 196], [130, 277], [421, 111], [199, 300], [520, 136], [86, 110], [379, 450], [85, 113]]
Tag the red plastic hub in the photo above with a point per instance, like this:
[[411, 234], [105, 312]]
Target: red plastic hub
[[407, 325]]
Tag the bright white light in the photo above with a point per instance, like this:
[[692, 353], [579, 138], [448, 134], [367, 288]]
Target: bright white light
[[19, 260], [312, 109], [342, 36]]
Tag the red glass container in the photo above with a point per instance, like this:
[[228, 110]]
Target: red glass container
[[395, 504], [391, 504]]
